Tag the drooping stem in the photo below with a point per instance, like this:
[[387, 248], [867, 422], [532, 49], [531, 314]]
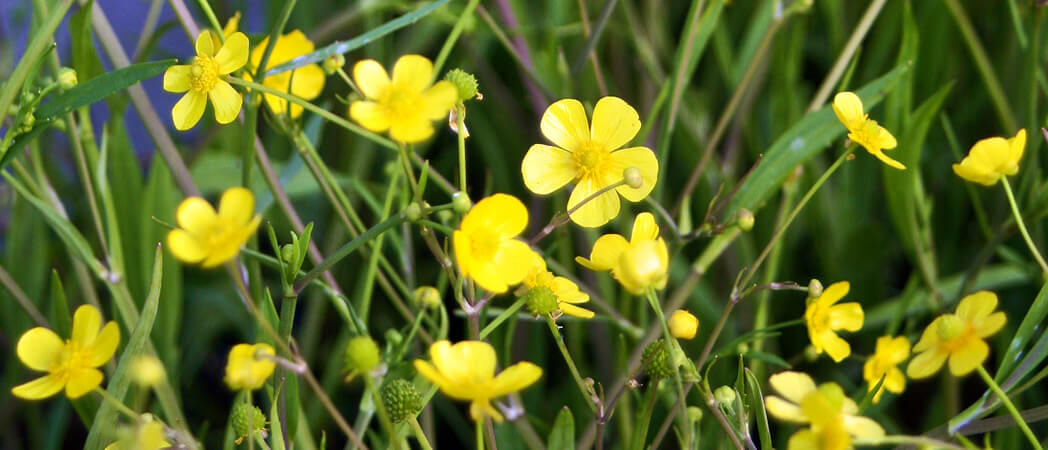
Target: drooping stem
[[1009, 405], [1022, 226], [571, 363]]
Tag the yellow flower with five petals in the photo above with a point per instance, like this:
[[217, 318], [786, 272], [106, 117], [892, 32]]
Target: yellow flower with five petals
[[991, 159], [564, 290], [638, 264], [832, 416], [466, 371], [958, 337], [889, 353], [202, 79], [305, 82], [71, 364], [486, 247], [864, 131], [591, 156], [211, 238], [824, 317], [249, 366], [148, 435], [405, 105]]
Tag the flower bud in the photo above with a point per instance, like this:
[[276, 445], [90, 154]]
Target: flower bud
[[428, 296], [724, 395], [401, 400], [464, 82], [694, 414], [393, 337], [249, 366], [744, 219], [245, 419], [334, 62], [540, 301], [147, 371], [656, 360], [362, 354], [67, 78], [683, 324], [288, 253], [461, 203], [814, 288], [633, 177], [413, 212]]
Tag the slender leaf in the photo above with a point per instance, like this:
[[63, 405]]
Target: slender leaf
[[562, 436], [101, 87], [37, 47], [756, 401]]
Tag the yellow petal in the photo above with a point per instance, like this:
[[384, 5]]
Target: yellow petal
[[410, 131], [564, 123], [371, 78], [502, 214], [466, 361], [231, 25], [481, 408], [989, 326], [86, 323], [515, 378], [226, 102], [894, 380], [975, 174], [644, 228], [546, 168], [38, 348], [930, 337], [206, 44], [510, 261], [848, 108], [237, 205], [970, 355], [888, 160], [188, 110], [568, 292], [575, 311], [896, 350], [834, 293], [228, 249], [438, 100], [804, 440], [39, 388], [1017, 146], [82, 381], [615, 123], [977, 306], [308, 83], [792, 385], [233, 54], [605, 253], [413, 73], [460, 241], [369, 115], [833, 345], [784, 410], [927, 363], [104, 346], [185, 247], [644, 160], [595, 212], [429, 372], [862, 427], [846, 316], [176, 79], [196, 215]]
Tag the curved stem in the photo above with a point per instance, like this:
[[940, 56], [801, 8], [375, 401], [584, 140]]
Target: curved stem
[[1022, 226], [1009, 405], [571, 363]]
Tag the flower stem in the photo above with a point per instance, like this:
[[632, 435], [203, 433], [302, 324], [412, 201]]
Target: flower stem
[[1022, 226], [460, 121], [116, 403], [420, 435], [445, 50], [1008, 402], [682, 417], [509, 312], [480, 434], [571, 363], [910, 440], [641, 430]]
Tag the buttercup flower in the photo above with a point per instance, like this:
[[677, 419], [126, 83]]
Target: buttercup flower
[[683, 324], [958, 337], [591, 156], [70, 364], [485, 246], [824, 318], [832, 415], [211, 238], [466, 371], [862, 130], [993, 158], [148, 371], [638, 264], [890, 352], [203, 79], [249, 367], [565, 291], [407, 105], [305, 82], [147, 436]]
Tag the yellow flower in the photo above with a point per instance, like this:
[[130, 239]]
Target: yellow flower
[[406, 105], [231, 25], [466, 371], [890, 352], [564, 290], [683, 324], [147, 371], [959, 337], [485, 244], [306, 82], [824, 318], [249, 366], [639, 264], [993, 158], [832, 415], [590, 156], [862, 130], [211, 238], [203, 79], [71, 364], [147, 436]]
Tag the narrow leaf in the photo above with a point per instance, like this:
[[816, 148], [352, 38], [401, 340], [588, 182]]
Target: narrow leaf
[[101, 87], [562, 436]]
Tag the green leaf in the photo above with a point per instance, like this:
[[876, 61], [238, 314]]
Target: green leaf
[[756, 401], [61, 320], [42, 39], [101, 87], [343, 47], [562, 436]]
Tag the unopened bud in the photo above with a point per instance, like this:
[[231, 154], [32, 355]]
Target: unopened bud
[[288, 253], [333, 63], [461, 203], [814, 288], [413, 212], [683, 324], [67, 78], [694, 414], [428, 296], [633, 177], [744, 219], [147, 371], [724, 395], [362, 354]]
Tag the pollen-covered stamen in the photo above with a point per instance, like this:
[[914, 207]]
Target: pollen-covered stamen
[[203, 73], [590, 158]]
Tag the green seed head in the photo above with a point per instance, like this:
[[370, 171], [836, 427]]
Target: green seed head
[[256, 421], [401, 400], [540, 301], [465, 82], [657, 363]]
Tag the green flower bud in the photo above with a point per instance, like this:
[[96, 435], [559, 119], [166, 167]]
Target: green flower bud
[[633, 177], [413, 212], [724, 395], [694, 414], [362, 354], [241, 418], [461, 203], [67, 78], [744, 219], [333, 63], [393, 337], [401, 400], [814, 288], [540, 301], [657, 362], [288, 254], [465, 82], [428, 296]]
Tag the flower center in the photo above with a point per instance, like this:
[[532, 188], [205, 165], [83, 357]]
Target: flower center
[[590, 158], [485, 244], [400, 103], [203, 73], [221, 233], [72, 356]]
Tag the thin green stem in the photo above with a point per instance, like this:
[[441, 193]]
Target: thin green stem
[[982, 64], [509, 312], [641, 431], [349, 248], [479, 437], [380, 408], [1010, 406], [1022, 226], [682, 417], [460, 121], [553, 328], [246, 394], [116, 403], [846, 54], [918, 441], [460, 24], [420, 435], [212, 18]]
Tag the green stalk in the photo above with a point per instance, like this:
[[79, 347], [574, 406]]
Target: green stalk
[[1022, 226], [420, 435], [42, 38], [210, 14], [509, 312], [682, 417], [460, 119], [452, 37], [349, 248], [1010, 406], [479, 436], [116, 403], [982, 64], [571, 363], [641, 432]]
